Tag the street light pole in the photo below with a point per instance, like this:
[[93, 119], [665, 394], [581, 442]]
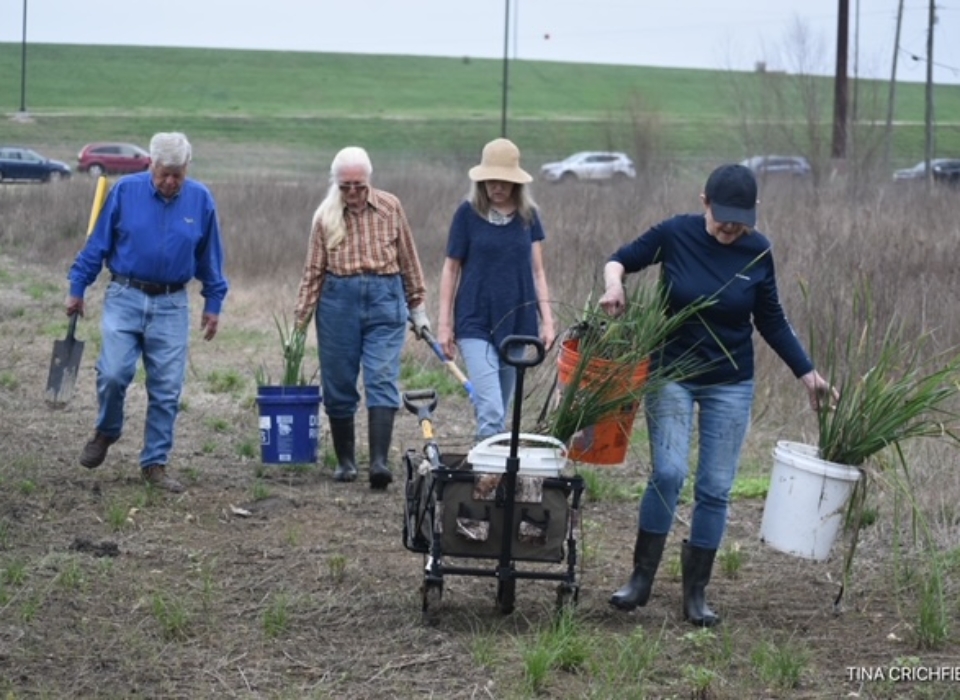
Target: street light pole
[[506, 70], [23, 62]]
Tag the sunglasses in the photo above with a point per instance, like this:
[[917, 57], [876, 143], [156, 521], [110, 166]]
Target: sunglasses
[[350, 186]]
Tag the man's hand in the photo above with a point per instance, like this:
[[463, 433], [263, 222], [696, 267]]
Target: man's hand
[[419, 321], [75, 306], [208, 324]]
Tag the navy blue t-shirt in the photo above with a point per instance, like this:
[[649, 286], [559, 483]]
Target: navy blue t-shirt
[[742, 281], [496, 296]]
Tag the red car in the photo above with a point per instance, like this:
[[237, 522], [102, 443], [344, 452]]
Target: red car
[[112, 159]]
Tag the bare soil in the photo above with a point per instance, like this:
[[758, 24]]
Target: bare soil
[[268, 582]]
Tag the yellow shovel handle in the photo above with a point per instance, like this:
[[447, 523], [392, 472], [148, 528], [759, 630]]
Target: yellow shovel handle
[[99, 195]]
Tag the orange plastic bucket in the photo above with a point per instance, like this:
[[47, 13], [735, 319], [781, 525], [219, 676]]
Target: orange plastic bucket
[[605, 442]]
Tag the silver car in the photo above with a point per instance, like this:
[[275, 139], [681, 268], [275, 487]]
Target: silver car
[[918, 171], [590, 165]]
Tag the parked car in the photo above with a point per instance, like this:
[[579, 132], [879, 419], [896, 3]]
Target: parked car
[[112, 159], [762, 166], [18, 163], [947, 173], [590, 165], [918, 171]]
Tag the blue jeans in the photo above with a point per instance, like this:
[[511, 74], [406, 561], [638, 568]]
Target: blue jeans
[[155, 330], [724, 417], [361, 320], [493, 383]]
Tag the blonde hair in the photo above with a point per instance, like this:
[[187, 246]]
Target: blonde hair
[[520, 195], [329, 214]]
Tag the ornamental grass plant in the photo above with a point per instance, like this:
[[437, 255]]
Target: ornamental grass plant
[[293, 341], [616, 358], [893, 387]]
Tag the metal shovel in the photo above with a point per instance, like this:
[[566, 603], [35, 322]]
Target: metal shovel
[[63, 366]]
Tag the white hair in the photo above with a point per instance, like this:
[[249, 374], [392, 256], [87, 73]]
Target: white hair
[[330, 212], [170, 149]]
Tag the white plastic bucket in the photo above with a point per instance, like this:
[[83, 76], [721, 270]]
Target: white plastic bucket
[[544, 458], [806, 501]]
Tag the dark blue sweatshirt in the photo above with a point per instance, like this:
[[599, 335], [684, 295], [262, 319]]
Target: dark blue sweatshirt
[[740, 279]]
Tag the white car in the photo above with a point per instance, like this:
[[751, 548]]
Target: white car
[[765, 166], [590, 165]]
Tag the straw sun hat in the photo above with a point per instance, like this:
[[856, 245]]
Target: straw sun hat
[[500, 160]]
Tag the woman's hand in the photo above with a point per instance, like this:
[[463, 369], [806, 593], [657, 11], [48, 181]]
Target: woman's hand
[[822, 395], [614, 300], [446, 341]]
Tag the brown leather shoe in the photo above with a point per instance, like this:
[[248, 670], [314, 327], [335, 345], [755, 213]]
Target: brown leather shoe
[[156, 475], [95, 451]]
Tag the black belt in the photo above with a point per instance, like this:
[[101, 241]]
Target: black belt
[[149, 288]]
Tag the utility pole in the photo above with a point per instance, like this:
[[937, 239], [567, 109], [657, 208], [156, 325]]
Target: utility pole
[[888, 141], [23, 63], [839, 147], [928, 116], [506, 69]]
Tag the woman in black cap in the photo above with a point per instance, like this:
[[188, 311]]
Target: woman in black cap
[[715, 255]]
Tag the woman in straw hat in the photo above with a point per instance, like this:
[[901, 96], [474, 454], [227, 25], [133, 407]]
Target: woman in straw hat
[[493, 282]]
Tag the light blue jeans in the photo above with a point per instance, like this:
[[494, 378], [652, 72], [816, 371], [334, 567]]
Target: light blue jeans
[[493, 383], [724, 417], [361, 320], [155, 330]]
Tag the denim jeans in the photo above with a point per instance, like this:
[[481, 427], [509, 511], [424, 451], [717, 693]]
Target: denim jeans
[[361, 321], [155, 330], [724, 417], [493, 383]]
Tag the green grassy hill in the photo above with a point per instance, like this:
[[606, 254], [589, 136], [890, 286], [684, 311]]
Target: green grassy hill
[[432, 107]]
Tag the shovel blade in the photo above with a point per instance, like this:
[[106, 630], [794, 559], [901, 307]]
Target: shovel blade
[[64, 364]]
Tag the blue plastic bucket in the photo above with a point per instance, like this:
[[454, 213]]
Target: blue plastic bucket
[[289, 424]]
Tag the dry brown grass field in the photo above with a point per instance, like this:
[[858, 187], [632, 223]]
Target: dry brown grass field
[[111, 590]]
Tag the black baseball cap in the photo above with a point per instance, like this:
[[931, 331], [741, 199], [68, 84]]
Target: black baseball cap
[[731, 191]]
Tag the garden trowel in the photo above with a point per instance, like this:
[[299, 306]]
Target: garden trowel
[[64, 365]]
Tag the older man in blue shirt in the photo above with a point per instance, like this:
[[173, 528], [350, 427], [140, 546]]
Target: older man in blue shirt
[[158, 230]]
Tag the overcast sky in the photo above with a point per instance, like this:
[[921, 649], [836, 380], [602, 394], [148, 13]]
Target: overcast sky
[[728, 34]]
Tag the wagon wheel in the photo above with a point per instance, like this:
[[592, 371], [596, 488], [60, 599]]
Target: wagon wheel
[[506, 594], [567, 596], [431, 594]]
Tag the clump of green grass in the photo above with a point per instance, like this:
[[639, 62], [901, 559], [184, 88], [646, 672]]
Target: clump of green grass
[[731, 559], [700, 679], [15, 572], [276, 616], [601, 487], [260, 490], [71, 577], [226, 381], [117, 515], [750, 487], [8, 380], [337, 566], [414, 375], [172, 616], [565, 646], [933, 613], [218, 425], [248, 450], [780, 664]]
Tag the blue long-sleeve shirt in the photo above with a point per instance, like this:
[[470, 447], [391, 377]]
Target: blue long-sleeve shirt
[[740, 278], [141, 235]]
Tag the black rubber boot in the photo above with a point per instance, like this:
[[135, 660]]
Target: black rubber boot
[[380, 429], [344, 444], [697, 565], [646, 558]]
